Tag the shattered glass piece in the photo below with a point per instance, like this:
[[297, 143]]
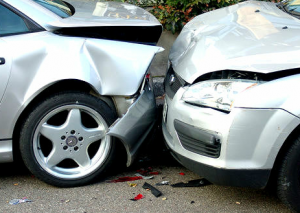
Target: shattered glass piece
[[165, 182], [144, 177], [18, 201]]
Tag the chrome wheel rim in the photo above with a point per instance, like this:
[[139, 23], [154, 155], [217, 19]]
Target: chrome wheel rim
[[70, 142]]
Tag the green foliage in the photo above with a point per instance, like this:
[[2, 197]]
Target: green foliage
[[174, 14]]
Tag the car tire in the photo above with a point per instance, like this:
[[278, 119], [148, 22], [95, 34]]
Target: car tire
[[288, 182], [63, 141]]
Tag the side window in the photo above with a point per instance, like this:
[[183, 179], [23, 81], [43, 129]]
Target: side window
[[11, 23]]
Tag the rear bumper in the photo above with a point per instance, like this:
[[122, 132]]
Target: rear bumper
[[6, 154], [135, 125]]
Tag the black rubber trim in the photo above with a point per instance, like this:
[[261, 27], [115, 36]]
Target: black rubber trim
[[228, 177], [6, 139]]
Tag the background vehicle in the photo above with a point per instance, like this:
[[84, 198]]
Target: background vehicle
[[73, 85], [232, 107]]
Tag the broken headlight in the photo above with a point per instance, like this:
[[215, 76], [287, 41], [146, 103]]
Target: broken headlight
[[218, 94]]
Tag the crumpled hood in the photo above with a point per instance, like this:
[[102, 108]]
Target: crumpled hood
[[250, 36], [93, 13]]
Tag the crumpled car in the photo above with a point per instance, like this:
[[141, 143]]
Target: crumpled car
[[231, 111], [74, 85]]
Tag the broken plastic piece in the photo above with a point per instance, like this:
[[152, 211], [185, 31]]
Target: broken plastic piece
[[193, 183], [162, 183], [132, 184], [181, 173], [125, 179], [138, 197], [144, 177], [154, 190], [18, 201], [164, 198], [153, 173]]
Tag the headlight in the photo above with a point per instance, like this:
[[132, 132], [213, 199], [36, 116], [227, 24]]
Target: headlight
[[219, 94]]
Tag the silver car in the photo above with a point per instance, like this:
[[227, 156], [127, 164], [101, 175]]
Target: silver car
[[231, 110], [74, 85]]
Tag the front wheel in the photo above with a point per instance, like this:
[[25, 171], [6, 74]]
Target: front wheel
[[288, 183], [63, 141]]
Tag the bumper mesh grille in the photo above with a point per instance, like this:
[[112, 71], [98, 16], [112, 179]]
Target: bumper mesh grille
[[198, 141]]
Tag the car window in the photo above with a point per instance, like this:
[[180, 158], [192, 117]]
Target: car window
[[11, 23], [293, 6], [56, 6]]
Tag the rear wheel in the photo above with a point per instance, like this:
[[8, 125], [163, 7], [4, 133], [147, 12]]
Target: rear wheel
[[288, 184], [63, 141]]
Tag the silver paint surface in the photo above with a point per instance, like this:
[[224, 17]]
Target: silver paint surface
[[237, 38], [35, 61], [245, 37]]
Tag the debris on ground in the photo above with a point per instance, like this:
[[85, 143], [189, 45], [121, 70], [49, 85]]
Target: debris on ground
[[192, 202], [147, 171], [181, 173], [154, 190], [18, 201], [238, 203], [193, 183], [144, 177], [138, 197], [164, 198], [165, 182], [125, 179], [132, 184]]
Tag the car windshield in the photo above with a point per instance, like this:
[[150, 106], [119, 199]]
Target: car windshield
[[56, 6], [293, 7]]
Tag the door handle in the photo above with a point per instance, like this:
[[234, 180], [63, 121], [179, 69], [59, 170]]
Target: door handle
[[2, 61]]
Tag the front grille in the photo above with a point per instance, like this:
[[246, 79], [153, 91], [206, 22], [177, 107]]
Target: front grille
[[198, 141], [172, 88]]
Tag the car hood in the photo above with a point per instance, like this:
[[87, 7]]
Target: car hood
[[250, 36], [93, 13]]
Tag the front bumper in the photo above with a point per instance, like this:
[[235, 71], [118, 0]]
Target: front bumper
[[135, 125], [237, 148]]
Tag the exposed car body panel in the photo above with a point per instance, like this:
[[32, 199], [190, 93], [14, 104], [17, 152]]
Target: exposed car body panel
[[101, 59], [249, 36]]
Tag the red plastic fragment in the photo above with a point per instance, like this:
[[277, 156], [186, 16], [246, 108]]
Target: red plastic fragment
[[153, 173], [138, 197], [125, 179], [181, 173], [148, 76]]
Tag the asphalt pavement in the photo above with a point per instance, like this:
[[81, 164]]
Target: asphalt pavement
[[103, 196]]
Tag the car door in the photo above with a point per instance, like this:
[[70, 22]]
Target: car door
[[12, 23], [5, 66]]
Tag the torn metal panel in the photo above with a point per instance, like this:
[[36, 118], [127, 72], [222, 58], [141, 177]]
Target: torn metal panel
[[134, 126]]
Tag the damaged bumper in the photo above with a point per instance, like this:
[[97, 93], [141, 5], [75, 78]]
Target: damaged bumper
[[226, 149], [136, 124]]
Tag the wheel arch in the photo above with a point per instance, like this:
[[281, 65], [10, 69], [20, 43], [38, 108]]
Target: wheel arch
[[280, 155]]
